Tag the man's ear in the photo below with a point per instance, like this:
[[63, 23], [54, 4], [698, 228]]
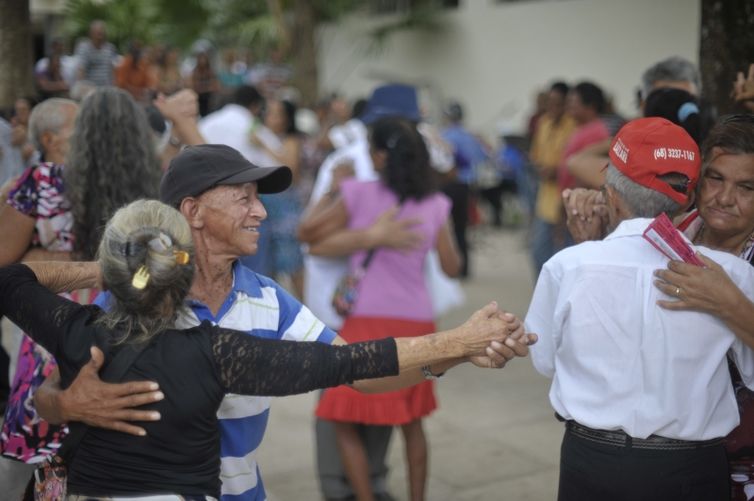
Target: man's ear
[[616, 210], [192, 211]]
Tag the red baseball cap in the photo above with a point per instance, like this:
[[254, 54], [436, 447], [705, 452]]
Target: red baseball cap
[[647, 148]]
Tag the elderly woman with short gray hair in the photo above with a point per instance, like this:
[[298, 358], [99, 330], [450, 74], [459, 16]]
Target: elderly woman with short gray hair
[[146, 261]]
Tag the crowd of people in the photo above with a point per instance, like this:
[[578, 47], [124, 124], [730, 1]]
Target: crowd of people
[[183, 244]]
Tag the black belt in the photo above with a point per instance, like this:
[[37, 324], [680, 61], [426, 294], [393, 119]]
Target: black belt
[[619, 438]]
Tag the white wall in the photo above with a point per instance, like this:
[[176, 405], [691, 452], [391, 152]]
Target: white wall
[[493, 57]]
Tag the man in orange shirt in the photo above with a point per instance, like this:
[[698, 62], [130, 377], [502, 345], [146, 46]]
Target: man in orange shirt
[[135, 73]]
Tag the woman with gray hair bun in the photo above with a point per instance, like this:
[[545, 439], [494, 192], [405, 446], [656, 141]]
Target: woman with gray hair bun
[[134, 252], [146, 261]]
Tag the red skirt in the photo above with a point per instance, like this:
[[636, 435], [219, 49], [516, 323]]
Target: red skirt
[[390, 408]]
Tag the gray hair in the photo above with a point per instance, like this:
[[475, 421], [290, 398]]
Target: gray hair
[[641, 201], [145, 234], [675, 69], [47, 116], [111, 162], [733, 134]]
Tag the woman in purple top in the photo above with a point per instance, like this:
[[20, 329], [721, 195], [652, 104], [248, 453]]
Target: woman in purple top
[[392, 295]]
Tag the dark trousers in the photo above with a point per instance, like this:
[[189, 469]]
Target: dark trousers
[[494, 197], [591, 471], [332, 476], [459, 196]]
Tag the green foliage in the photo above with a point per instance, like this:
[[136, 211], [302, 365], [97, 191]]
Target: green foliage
[[227, 23], [241, 23], [332, 10], [147, 20], [249, 23], [422, 15]]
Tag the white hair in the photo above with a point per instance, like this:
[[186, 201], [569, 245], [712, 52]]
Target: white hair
[[47, 116], [675, 69], [641, 201]]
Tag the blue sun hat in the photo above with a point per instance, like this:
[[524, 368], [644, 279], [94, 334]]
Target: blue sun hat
[[392, 100]]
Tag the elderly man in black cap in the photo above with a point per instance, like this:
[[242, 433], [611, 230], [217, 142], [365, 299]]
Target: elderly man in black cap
[[216, 189]]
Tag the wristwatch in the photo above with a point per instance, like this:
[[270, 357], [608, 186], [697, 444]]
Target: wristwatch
[[427, 371]]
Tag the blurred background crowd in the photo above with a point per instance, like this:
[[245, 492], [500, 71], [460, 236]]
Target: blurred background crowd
[[286, 83]]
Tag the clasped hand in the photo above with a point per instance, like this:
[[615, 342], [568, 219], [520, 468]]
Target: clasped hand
[[494, 337]]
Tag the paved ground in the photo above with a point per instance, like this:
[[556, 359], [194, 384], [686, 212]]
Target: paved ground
[[494, 436]]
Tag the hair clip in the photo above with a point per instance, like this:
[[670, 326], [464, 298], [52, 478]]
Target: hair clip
[[141, 277], [686, 110], [181, 257], [160, 243]]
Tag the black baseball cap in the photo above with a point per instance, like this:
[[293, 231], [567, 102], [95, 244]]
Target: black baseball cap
[[199, 168]]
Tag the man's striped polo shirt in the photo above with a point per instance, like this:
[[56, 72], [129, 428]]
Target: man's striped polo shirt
[[259, 306]]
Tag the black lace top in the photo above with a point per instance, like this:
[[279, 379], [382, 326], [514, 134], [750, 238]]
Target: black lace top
[[195, 368]]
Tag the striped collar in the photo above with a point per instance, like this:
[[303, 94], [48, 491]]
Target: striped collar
[[245, 282]]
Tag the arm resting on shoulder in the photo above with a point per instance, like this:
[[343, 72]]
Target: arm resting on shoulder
[[709, 290], [40, 254], [66, 276], [327, 217], [386, 231]]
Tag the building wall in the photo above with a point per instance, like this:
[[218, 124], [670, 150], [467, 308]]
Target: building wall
[[493, 57]]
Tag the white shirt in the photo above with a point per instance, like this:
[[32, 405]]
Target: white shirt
[[231, 125], [619, 361], [342, 135], [322, 274], [68, 67]]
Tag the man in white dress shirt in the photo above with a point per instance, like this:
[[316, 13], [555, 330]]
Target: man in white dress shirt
[[645, 392]]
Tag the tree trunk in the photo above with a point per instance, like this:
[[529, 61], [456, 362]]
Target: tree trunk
[[15, 51], [727, 47], [304, 52]]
